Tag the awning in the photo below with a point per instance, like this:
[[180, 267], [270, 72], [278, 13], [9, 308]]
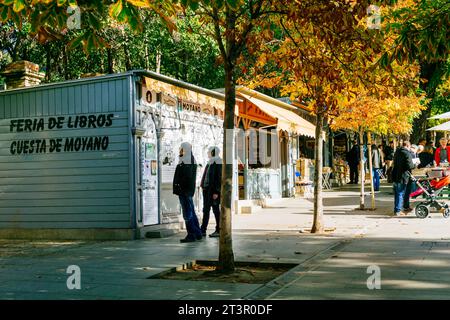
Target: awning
[[287, 120], [442, 127], [441, 116]]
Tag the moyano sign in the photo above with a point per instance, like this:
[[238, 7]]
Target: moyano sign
[[57, 145]]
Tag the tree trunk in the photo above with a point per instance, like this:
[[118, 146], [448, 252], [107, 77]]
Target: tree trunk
[[226, 255], [420, 125], [66, 63], [127, 57], [432, 73], [158, 60], [110, 61], [318, 201], [361, 164], [369, 153], [126, 51], [48, 62], [147, 62]]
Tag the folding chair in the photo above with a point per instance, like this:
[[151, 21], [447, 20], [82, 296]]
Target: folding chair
[[381, 173], [326, 175]]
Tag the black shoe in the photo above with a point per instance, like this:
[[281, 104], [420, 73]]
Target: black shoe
[[199, 237], [203, 234], [215, 234], [187, 239]]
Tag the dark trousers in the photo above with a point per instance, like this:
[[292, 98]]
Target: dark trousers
[[209, 203], [190, 218], [408, 191], [353, 173]]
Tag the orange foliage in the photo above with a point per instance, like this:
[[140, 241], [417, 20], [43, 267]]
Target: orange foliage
[[328, 58]]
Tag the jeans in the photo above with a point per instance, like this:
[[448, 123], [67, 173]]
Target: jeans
[[401, 196], [209, 203], [190, 218], [376, 179]]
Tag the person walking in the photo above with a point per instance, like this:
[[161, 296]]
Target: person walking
[[442, 154], [376, 166], [353, 158], [184, 188], [211, 183], [403, 164]]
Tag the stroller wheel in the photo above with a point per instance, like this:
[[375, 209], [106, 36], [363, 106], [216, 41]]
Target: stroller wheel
[[446, 213], [422, 211]]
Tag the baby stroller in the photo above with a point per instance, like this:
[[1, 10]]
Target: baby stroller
[[431, 188]]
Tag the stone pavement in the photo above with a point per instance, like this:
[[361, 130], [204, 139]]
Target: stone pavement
[[413, 256]]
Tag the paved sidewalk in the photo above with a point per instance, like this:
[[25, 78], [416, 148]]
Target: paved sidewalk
[[413, 255], [119, 270]]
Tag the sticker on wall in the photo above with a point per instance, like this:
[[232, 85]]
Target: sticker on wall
[[150, 151]]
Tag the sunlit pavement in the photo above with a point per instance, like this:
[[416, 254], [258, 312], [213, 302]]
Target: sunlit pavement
[[412, 256]]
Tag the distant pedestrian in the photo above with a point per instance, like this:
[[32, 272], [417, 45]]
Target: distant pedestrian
[[389, 158], [353, 159], [401, 170], [211, 183], [184, 188], [412, 186], [376, 166], [426, 156], [421, 145], [442, 154], [413, 149]]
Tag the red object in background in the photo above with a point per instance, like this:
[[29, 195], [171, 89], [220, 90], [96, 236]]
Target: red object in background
[[437, 155]]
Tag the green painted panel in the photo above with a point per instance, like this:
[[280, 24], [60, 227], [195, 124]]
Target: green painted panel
[[66, 189]]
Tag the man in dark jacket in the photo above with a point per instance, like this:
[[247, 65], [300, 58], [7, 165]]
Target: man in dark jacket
[[353, 159], [184, 188], [211, 184], [403, 164]]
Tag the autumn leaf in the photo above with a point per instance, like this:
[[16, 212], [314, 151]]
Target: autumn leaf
[[115, 9], [19, 5]]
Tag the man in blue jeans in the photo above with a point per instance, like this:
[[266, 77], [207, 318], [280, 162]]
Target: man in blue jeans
[[184, 188], [403, 164], [376, 165]]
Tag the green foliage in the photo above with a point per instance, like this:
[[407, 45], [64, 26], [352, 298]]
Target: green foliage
[[185, 55], [423, 31]]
